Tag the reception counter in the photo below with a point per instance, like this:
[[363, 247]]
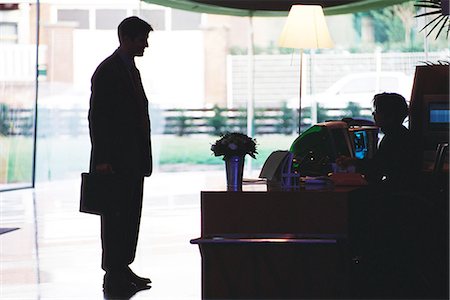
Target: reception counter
[[306, 211], [276, 244]]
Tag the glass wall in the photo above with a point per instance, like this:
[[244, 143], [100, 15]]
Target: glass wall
[[76, 37], [373, 52], [17, 94], [198, 76]]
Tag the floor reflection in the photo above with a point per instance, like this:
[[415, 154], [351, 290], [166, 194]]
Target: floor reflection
[[56, 252]]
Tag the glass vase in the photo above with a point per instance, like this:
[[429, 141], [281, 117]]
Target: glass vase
[[234, 166]]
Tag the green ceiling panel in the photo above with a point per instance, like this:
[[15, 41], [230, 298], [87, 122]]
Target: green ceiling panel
[[360, 6], [214, 9], [351, 7]]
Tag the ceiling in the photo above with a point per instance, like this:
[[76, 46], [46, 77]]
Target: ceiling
[[272, 7]]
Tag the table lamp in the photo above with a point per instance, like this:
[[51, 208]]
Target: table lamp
[[305, 28]]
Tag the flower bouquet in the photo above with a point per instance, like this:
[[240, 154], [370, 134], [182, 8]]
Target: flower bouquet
[[234, 144]]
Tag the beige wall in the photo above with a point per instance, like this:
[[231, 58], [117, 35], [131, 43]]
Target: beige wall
[[60, 52], [44, 17], [59, 41], [216, 49]]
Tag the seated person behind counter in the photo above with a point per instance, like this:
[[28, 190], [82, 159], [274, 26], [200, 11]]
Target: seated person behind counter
[[390, 219], [394, 164]]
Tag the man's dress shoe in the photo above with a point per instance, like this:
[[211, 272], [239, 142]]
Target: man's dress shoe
[[116, 285], [135, 279]]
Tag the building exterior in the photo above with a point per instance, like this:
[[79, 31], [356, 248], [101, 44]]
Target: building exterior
[[186, 64]]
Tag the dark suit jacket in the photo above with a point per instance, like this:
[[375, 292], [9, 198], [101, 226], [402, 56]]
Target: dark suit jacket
[[119, 122], [394, 159]]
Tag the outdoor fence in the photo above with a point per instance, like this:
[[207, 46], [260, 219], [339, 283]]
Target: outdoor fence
[[275, 78], [181, 122]]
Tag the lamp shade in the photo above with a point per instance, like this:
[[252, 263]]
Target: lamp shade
[[305, 28]]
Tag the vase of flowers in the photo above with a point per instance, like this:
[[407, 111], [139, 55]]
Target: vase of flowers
[[233, 146]]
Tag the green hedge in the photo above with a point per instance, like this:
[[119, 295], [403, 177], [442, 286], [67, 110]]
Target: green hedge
[[66, 157]]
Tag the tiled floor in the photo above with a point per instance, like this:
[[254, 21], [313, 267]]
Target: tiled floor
[[56, 252]]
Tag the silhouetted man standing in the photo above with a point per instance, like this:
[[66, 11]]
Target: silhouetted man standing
[[120, 135]]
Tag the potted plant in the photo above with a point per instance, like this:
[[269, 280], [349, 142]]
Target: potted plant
[[233, 146]]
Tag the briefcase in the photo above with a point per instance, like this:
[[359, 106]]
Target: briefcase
[[102, 193]]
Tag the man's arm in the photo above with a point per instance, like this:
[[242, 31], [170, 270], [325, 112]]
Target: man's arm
[[101, 119]]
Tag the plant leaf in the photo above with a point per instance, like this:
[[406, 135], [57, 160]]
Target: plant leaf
[[428, 1], [428, 13], [428, 24], [439, 20], [431, 22], [430, 4], [442, 27]]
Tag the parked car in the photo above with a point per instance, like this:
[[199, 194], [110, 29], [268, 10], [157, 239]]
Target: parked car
[[359, 88]]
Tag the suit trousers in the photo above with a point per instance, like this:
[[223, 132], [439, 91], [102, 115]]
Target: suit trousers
[[120, 229]]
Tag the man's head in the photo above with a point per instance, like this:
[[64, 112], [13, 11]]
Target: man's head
[[133, 34], [391, 109]]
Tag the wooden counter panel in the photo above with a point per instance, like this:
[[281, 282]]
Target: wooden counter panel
[[322, 212]]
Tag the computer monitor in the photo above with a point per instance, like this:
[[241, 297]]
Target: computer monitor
[[271, 169], [320, 145], [364, 140], [430, 87], [278, 171], [438, 115], [360, 141], [436, 120]]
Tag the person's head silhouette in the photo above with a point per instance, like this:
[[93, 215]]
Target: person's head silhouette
[[390, 110], [133, 34]]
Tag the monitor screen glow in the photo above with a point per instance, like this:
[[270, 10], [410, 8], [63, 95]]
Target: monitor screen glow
[[438, 116], [361, 143], [439, 113]]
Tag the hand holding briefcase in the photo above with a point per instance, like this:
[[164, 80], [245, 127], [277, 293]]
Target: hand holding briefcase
[[101, 193]]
